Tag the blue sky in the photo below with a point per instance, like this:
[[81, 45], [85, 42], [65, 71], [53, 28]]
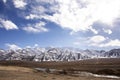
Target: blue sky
[[84, 24]]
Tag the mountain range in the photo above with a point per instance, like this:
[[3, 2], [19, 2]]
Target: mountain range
[[56, 54]]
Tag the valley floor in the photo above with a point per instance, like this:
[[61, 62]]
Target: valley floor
[[22, 73]]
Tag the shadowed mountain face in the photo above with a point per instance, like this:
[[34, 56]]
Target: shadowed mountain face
[[113, 53], [56, 54]]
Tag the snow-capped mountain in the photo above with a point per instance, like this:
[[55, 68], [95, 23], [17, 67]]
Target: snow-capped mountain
[[113, 53], [56, 54]]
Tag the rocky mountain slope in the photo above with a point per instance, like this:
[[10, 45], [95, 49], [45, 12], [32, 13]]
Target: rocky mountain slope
[[56, 54]]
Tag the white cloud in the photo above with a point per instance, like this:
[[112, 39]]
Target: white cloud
[[97, 39], [108, 31], [19, 4], [45, 1], [32, 16], [36, 45], [38, 10], [36, 28], [4, 1], [100, 41], [90, 41], [7, 24], [28, 47], [93, 30], [12, 46], [111, 43], [79, 15]]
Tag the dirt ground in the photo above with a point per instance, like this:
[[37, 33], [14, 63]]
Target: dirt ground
[[22, 73]]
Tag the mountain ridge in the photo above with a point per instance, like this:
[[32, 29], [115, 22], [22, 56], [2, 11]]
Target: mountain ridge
[[56, 54]]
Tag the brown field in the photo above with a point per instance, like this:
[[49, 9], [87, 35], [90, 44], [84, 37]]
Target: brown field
[[24, 70], [21, 73]]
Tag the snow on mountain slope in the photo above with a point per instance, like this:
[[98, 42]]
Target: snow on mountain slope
[[55, 54], [113, 53]]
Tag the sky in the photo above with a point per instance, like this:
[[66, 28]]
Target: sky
[[84, 24]]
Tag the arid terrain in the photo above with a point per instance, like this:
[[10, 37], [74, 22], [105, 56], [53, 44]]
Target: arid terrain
[[21, 73], [24, 70]]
